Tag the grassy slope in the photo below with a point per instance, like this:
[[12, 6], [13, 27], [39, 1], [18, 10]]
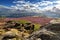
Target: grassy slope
[[37, 26]]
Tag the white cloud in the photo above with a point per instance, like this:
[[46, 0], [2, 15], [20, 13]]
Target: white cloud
[[44, 5], [1, 6], [53, 7], [19, 2], [38, 7], [22, 5]]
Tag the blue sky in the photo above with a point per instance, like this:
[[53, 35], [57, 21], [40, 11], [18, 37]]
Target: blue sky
[[48, 7], [10, 2], [40, 3], [31, 4], [6, 2]]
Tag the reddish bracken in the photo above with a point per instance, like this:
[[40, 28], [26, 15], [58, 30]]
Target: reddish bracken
[[38, 20]]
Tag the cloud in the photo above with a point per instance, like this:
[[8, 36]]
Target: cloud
[[38, 5], [27, 6], [45, 3], [1, 6], [13, 12], [48, 8]]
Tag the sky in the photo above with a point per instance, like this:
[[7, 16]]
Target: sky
[[36, 3], [10, 2], [47, 7]]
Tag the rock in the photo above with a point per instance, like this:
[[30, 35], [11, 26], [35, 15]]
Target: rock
[[2, 31], [8, 35], [13, 33], [53, 27], [26, 35], [44, 34], [55, 21]]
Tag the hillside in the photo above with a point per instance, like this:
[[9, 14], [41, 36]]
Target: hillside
[[38, 20], [29, 28]]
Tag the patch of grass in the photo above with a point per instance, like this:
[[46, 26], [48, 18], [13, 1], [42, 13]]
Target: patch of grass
[[37, 27], [22, 21]]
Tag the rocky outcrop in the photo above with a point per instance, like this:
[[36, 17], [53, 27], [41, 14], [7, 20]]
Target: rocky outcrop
[[46, 32], [43, 34]]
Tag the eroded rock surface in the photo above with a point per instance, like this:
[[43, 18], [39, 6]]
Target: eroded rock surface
[[47, 32]]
